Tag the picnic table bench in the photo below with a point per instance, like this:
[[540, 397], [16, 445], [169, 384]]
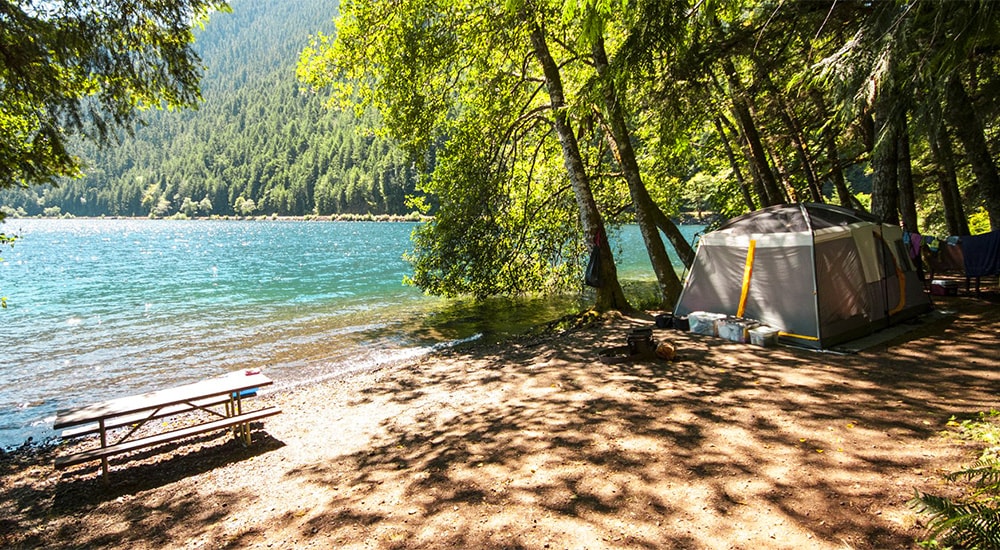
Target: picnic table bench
[[220, 397]]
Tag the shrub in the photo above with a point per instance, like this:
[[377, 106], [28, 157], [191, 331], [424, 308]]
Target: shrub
[[972, 522]]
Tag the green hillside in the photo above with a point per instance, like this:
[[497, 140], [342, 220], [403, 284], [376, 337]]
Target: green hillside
[[259, 143]]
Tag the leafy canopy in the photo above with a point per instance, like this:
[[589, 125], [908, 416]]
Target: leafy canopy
[[457, 81], [86, 68]]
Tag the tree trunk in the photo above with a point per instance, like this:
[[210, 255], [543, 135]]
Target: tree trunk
[[782, 174], [885, 183], [681, 245], [951, 197], [798, 141], [907, 197], [866, 127], [798, 144], [962, 115], [670, 284], [795, 133], [737, 173], [844, 194], [761, 166], [610, 294]]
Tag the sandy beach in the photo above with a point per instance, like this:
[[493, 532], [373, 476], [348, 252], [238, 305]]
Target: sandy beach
[[536, 443]]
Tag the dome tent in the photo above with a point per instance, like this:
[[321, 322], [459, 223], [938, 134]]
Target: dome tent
[[821, 274]]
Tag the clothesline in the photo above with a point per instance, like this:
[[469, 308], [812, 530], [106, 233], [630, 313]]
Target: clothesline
[[975, 255]]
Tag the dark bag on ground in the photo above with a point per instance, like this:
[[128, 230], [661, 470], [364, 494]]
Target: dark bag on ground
[[593, 276]]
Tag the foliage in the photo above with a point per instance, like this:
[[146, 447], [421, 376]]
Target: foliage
[[256, 135], [979, 222], [85, 69], [730, 104], [973, 522], [490, 237], [457, 81]]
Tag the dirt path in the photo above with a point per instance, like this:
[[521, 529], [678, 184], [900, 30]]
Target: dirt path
[[537, 444]]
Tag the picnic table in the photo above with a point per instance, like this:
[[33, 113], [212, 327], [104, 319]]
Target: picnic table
[[116, 421]]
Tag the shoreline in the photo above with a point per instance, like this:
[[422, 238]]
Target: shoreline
[[536, 443], [34, 445], [685, 219], [273, 217]]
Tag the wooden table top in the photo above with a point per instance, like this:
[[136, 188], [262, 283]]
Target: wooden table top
[[220, 385]]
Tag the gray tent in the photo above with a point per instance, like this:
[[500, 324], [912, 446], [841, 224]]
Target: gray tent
[[820, 274]]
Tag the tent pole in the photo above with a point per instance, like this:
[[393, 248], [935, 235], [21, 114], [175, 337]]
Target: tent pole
[[815, 278], [883, 276]]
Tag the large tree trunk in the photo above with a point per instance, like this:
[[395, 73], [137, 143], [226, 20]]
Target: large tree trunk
[[969, 129], [798, 141], [681, 245], [609, 294], [795, 133], [907, 196], [645, 208], [758, 156], [758, 185], [885, 183], [951, 196], [782, 174], [737, 173], [844, 195]]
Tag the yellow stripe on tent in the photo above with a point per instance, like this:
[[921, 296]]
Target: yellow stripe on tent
[[902, 290], [799, 336], [747, 272]]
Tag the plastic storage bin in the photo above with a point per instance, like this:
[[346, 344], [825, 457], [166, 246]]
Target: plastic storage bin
[[764, 336], [703, 322], [735, 329]]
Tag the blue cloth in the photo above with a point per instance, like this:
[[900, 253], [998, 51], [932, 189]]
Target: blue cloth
[[982, 254]]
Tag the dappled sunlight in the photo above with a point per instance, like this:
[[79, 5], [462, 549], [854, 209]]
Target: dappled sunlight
[[537, 442], [701, 448]]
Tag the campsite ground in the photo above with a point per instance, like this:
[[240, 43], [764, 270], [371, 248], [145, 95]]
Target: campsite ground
[[537, 444]]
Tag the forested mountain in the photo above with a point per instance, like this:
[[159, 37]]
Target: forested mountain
[[259, 143]]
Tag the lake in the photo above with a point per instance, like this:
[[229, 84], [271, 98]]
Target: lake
[[103, 308]]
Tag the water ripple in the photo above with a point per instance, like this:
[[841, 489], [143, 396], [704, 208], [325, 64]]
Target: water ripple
[[103, 308]]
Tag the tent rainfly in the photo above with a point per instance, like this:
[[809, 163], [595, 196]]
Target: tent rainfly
[[821, 274]]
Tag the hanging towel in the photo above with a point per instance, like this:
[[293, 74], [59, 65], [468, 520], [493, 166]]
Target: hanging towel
[[915, 240], [982, 254]]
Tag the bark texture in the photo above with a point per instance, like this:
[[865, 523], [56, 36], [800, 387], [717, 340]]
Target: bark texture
[[772, 193], [885, 183], [962, 115], [907, 196], [645, 209], [610, 294], [951, 196]]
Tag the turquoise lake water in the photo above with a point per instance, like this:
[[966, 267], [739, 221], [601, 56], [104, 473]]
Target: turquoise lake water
[[103, 308]]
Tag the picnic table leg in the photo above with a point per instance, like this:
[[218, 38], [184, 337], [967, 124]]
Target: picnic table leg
[[243, 428], [104, 443], [235, 407], [231, 411]]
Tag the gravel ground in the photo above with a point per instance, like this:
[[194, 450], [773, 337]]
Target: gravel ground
[[536, 443]]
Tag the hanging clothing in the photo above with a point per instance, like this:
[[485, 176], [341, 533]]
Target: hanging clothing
[[913, 241], [945, 256], [982, 254]]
